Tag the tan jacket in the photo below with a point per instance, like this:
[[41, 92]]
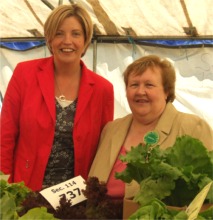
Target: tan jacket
[[171, 124]]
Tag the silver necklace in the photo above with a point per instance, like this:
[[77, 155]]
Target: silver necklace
[[62, 97]]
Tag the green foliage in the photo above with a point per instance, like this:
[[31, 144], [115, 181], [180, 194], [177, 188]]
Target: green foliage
[[174, 176], [138, 163], [207, 214], [155, 210], [8, 207], [11, 197], [16, 190], [37, 213]]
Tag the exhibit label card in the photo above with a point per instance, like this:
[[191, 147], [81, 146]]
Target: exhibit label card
[[71, 189]]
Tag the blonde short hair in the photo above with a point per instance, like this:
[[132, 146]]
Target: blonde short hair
[[62, 12], [139, 66]]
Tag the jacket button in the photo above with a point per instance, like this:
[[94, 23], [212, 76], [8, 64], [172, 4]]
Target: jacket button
[[27, 165]]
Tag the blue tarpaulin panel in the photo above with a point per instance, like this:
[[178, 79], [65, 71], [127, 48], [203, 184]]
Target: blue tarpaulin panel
[[27, 45], [178, 43], [22, 46]]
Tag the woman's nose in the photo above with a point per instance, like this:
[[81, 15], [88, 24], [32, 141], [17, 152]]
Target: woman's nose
[[68, 39], [141, 90]]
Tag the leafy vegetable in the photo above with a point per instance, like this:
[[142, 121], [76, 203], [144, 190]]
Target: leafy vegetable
[[37, 213], [8, 207], [11, 197], [16, 190], [157, 210], [175, 175], [97, 206]]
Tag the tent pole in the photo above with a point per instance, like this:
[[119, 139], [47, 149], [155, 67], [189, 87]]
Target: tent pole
[[94, 54]]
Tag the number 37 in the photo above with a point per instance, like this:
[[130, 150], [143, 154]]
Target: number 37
[[71, 194]]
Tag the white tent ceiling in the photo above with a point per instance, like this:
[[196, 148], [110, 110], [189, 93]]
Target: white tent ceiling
[[136, 18], [114, 20]]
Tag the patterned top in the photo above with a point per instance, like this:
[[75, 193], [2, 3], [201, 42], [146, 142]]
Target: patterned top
[[60, 166]]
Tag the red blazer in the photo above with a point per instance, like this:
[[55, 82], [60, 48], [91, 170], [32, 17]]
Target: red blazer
[[28, 119]]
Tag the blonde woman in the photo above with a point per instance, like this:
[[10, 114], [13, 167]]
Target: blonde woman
[[55, 108]]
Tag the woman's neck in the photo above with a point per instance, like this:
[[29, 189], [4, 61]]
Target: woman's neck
[[67, 69], [67, 82], [137, 131], [144, 124]]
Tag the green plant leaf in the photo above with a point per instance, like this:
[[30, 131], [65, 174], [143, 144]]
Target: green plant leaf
[[8, 207], [37, 213], [155, 210], [188, 151], [154, 189], [187, 166]]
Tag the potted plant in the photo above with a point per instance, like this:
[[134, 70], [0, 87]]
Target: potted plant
[[168, 178]]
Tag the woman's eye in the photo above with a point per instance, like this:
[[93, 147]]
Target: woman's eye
[[76, 34], [149, 85], [58, 33], [133, 85]]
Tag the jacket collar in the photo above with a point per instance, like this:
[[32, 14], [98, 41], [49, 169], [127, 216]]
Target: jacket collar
[[111, 144], [119, 137], [85, 91], [45, 76], [164, 125], [163, 128]]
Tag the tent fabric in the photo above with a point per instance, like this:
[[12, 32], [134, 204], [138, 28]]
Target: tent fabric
[[194, 69], [180, 30], [136, 18]]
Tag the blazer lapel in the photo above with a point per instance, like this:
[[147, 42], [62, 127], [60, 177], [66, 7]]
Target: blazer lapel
[[165, 123], [111, 146], [118, 138], [85, 92], [45, 77]]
